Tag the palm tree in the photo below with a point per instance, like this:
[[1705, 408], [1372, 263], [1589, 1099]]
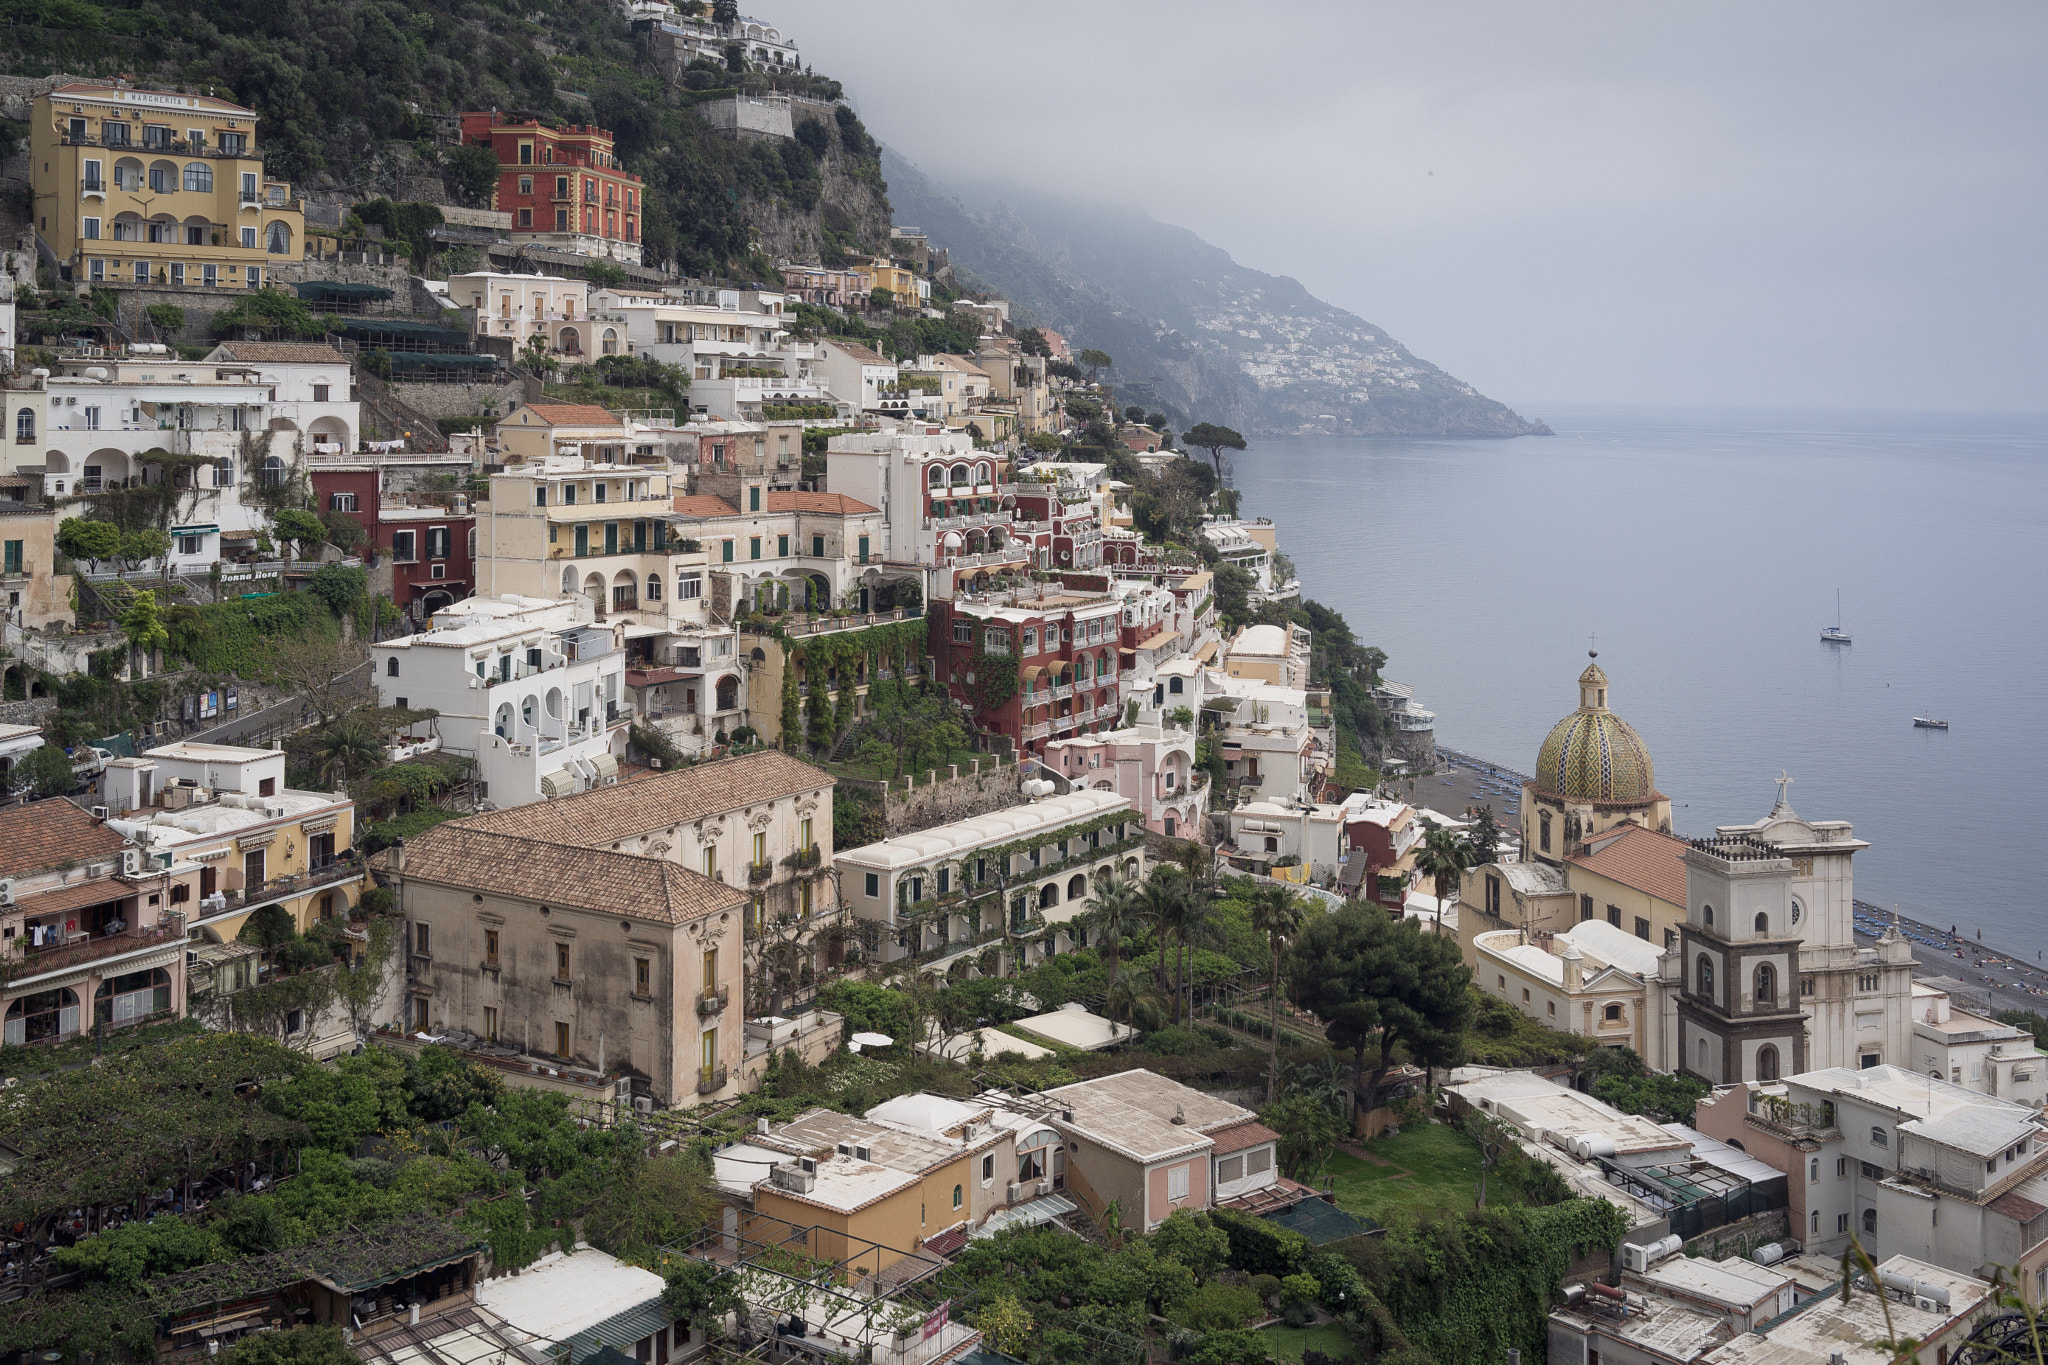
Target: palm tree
[[1200, 924], [1111, 912], [1163, 900], [344, 749], [1277, 913], [1139, 1008], [1443, 859]]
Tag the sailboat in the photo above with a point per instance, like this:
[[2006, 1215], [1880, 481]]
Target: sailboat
[[1834, 634], [1929, 722]]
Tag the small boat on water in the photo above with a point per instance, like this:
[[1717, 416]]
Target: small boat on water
[[1834, 634], [1929, 723]]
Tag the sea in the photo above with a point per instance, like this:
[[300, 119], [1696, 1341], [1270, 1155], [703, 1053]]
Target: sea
[[1701, 551]]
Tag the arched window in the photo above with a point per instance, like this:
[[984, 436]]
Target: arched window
[[1879, 1138], [1707, 915], [1816, 1222], [273, 471], [25, 425], [611, 341], [1173, 686], [1813, 1168], [936, 477], [1797, 911], [654, 587], [1766, 983], [1767, 1063], [956, 1196], [1077, 887], [1702, 1068], [279, 240], [391, 667], [1545, 832], [1049, 895], [44, 1015], [1706, 976], [728, 693], [1612, 1014], [1763, 922], [198, 178]]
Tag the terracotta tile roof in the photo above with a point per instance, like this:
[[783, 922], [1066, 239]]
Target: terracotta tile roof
[[459, 854], [704, 505], [1239, 1136], [278, 353], [1650, 862], [72, 897], [835, 504], [574, 414], [610, 815], [855, 351], [38, 836], [2016, 1206], [947, 1242]]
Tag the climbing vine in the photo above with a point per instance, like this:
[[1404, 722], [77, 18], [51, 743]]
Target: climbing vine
[[840, 655], [995, 675]]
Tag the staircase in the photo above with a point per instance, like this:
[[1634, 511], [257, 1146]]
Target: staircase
[[391, 416]]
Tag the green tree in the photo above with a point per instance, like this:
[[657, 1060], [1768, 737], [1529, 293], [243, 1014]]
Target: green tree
[[1443, 858], [344, 532], [1007, 1323], [1308, 1132], [143, 624], [317, 1343], [271, 312], [1112, 911], [144, 544], [165, 317], [295, 523], [471, 172], [91, 541], [881, 298], [269, 928], [604, 275], [1483, 839], [1095, 362], [345, 749], [1032, 342], [340, 586], [1041, 442], [44, 772], [699, 1295], [644, 1203], [908, 731], [1277, 913], [1215, 440], [1382, 984]]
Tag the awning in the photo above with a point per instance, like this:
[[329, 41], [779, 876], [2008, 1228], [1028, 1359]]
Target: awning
[[607, 766], [1033, 670], [73, 897], [1162, 638], [557, 783], [1031, 1215], [1206, 653], [208, 529], [636, 631]]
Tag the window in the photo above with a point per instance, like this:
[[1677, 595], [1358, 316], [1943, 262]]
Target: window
[[754, 498], [1706, 976], [1585, 908], [320, 392], [490, 947], [561, 1039], [198, 178], [561, 961], [1879, 1137], [1642, 929], [1869, 1220], [423, 939], [643, 974], [437, 542], [690, 587], [278, 241], [872, 885], [1612, 1014], [988, 1169], [753, 547], [1707, 915], [761, 849], [1766, 984], [92, 229], [1767, 1063], [1553, 1009], [711, 860], [958, 1196], [1258, 1161], [963, 631], [1614, 915], [1544, 833], [863, 549], [1806, 985], [419, 1014], [402, 543], [1177, 1183], [817, 547]]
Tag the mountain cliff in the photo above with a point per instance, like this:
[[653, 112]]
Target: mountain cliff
[[1192, 330]]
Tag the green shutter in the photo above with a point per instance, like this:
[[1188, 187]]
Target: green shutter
[[728, 552], [863, 549], [753, 547], [782, 547], [754, 498], [582, 540], [611, 537]]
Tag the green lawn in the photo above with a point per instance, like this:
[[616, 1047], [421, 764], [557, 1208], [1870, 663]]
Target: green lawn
[[1286, 1342], [1430, 1168]]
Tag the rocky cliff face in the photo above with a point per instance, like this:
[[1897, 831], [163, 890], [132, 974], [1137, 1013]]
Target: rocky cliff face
[[1193, 331]]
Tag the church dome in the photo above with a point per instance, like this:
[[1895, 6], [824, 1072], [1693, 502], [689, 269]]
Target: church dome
[[1593, 754]]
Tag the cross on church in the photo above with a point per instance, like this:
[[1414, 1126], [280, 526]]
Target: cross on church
[[1784, 781], [1592, 646]]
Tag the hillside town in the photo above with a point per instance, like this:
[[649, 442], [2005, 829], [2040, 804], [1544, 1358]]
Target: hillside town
[[562, 809]]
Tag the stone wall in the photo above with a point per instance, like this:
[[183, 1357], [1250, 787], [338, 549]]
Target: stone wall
[[462, 400], [1741, 1238], [749, 115], [29, 712], [18, 93], [922, 800], [200, 303]]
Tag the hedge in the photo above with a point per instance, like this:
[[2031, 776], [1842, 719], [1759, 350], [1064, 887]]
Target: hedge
[[1258, 1247]]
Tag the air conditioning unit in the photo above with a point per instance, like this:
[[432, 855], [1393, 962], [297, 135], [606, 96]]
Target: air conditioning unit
[[131, 861], [1044, 1188], [6, 890], [643, 1104], [100, 812], [861, 1154], [623, 1089], [1013, 1193], [1928, 1305], [808, 1165], [844, 1149]]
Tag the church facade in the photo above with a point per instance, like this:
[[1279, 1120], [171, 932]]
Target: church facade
[[1755, 975]]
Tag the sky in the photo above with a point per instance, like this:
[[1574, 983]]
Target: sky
[[1811, 205]]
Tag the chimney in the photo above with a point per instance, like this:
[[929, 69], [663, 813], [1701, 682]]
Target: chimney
[[1180, 1113]]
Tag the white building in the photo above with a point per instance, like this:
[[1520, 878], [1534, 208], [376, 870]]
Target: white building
[[519, 306], [534, 689], [941, 506], [937, 893], [1251, 546], [862, 377]]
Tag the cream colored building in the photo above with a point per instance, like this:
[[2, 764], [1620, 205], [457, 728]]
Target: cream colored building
[[35, 596], [627, 933], [157, 187], [1274, 654]]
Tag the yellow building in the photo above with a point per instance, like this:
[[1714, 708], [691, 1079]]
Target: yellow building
[[157, 187], [901, 283]]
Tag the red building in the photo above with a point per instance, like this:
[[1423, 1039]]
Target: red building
[[1065, 644], [1061, 523], [427, 548], [564, 187]]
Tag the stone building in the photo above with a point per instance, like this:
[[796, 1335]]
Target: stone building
[[628, 931]]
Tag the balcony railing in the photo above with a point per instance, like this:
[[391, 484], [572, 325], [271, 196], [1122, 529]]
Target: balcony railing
[[710, 1003], [59, 956], [710, 1079]]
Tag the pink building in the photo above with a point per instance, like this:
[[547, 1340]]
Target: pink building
[[1153, 767]]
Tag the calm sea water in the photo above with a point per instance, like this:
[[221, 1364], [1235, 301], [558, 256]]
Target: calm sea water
[[1704, 548]]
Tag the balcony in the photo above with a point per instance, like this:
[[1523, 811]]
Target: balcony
[[711, 1079], [38, 961], [21, 569], [759, 872], [1062, 691], [1038, 731], [711, 1003], [804, 859]]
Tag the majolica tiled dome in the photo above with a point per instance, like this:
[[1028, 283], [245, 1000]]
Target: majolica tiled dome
[[1593, 754]]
